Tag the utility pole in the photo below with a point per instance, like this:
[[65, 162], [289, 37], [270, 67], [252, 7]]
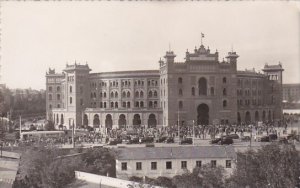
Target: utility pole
[[193, 132], [73, 135], [178, 127], [20, 126]]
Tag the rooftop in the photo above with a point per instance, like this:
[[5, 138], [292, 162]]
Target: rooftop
[[181, 152]]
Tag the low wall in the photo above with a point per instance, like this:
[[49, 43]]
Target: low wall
[[104, 180]]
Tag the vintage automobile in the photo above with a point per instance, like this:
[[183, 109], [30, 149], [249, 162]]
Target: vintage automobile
[[186, 141]]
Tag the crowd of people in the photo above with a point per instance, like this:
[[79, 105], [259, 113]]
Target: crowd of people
[[198, 131]]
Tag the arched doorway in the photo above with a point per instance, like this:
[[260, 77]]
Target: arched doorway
[[264, 116], [61, 119], [269, 116], [108, 121], [203, 114], [57, 119], [239, 118], [202, 85], [136, 121], [256, 116], [96, 121], [152, 121], [248, 117], [122, 121], [85, 120]]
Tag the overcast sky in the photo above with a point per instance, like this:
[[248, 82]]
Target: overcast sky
[[113, 36]]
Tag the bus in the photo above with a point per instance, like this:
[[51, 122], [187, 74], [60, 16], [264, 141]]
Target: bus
[[41, 134]]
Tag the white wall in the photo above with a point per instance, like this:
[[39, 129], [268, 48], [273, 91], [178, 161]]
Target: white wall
[[161, 167]]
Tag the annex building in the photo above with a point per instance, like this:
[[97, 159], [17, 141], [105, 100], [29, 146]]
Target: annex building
[[200, 90]]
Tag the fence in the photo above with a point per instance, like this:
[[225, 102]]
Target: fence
[[113, 182]]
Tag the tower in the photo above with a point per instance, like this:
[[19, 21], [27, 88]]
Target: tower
[[75, 90], [274, 88]]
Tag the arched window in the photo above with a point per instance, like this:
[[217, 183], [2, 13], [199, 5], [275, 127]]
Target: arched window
[[104, 94], [91, 95], [179, 80], [141, 94], [180, 92], [155, 94], [112, 94], [58, 105], [111, 104], [123, 94], [116, 105], [124, 104], [139, 82], [104, 104], [155, 104], [70, 100], [202, 85], [70, 89], [142, 104], [150, 104], [150, 94], [224, 103], [212, 91], [58, 89], [50, 97], [193, 91], [128, 104], [100, 94], [58, 96], [224, 80], [95, 95], [128, 93], [101, 105], [50, 88], [137, 104], [116, 94], [180, 105], [50, 106], [224, 92], [137, 94]]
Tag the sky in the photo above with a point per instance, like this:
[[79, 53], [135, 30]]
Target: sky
[[124, 35]]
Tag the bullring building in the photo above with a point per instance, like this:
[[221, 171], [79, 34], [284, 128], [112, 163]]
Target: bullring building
[[200, 90]]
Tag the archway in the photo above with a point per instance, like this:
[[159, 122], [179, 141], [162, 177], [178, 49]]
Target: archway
[[96, 121], [256, 116], [239, 118], [248, 117], [269, 116], [61, 119], [136, 121], [202, 85], [152, 121], [203, 114], [264, 116], [122, 121], [108, 121], [85, 120]]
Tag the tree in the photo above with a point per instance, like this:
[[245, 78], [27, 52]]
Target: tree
[[100, 161], [272, 166], [49, 126]]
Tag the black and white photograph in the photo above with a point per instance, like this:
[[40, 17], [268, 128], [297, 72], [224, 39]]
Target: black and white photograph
[[149, 94]]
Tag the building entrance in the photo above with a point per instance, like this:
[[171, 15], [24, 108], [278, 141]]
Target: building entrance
[[203, 114]]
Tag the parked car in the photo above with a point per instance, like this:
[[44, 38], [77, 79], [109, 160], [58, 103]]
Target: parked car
[[186, 141], [215, 141], [245, 138], [283, 140], [147, 139], [170, 140], [133, 140], [115, 141], [161, 139], [233, 136], [273, 137], [264, 139], [226, 141]]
